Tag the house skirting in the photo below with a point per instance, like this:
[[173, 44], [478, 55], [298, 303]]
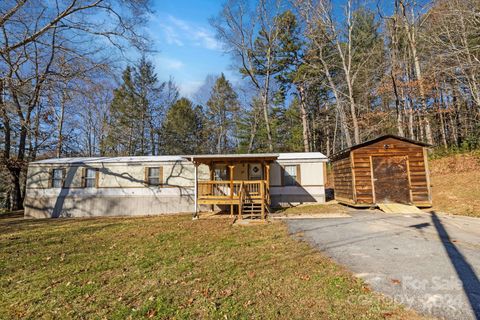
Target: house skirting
[[108, 202], [81, 202], [289, 196]]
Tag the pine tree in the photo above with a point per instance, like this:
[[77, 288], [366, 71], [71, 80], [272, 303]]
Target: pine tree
[[148, 92], [223, 107], [136, 112], [182, 131], [124, 134]]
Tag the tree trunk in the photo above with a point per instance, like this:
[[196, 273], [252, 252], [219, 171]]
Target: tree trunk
[[152, 139], [60, 129], [266, 117], [442, 120], [253, 131], [353, 112], [410, 123], [17, 198], [411, 37], [397, 105], [339, 105], [36, 134], [327, 136], [304, 117]]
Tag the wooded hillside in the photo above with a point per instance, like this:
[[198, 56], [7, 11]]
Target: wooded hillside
[[316, 75]]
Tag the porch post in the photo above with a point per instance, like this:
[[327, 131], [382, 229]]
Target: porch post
[[211, 168], [267, 173], [231, 187], [195, 191], [267, 178], [231, 180]]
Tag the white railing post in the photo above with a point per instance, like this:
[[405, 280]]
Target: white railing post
[[195, 191]]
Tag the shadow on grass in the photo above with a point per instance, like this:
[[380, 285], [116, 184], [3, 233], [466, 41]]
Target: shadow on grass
[[16, 221], [11, 215]]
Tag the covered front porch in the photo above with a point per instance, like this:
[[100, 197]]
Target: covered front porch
[[238, 183]]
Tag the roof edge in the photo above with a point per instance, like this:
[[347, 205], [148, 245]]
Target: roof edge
[[377, 139]]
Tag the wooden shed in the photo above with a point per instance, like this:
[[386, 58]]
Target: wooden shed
[[387, 169]]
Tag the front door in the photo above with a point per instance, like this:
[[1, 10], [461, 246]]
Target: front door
[[390, 178], [255, 171]]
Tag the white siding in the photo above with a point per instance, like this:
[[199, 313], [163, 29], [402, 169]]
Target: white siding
[[122, 189]]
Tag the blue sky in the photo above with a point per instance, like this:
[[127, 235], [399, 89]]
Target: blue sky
[[186, 44]]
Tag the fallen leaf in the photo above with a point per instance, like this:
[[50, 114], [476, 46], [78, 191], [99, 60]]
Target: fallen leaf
[[151, 313], [305, 277]]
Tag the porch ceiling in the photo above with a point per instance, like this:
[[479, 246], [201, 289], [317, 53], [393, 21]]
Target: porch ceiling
[[226, 158]]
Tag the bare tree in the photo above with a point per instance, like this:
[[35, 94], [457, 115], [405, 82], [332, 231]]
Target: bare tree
[[252, 40], [334, 43], [33, 34], [410, 24]]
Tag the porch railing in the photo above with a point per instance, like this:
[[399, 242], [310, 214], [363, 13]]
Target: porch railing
[[225, 188]]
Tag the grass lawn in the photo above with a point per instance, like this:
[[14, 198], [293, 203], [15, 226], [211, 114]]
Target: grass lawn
[[172, 267]]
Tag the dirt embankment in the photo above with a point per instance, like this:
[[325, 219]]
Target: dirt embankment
[[456, 184]]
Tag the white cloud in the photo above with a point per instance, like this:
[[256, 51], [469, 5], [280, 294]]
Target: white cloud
[[171, 36], [208, 40], [168, 63], [188, 88], [180, 32], [182, 24]]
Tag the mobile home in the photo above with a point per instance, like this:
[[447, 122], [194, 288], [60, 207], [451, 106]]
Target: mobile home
[[244, 184]]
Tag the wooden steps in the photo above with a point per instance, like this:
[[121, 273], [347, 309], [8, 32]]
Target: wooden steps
[[252, 209], [398, 208]]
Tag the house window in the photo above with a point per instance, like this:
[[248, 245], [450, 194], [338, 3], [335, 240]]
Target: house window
[[90, 178], [153, 176], [221, 173], [57, 178], [290, 175]]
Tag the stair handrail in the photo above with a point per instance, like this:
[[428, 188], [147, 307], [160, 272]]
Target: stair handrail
[[241, 200], [267, 199]]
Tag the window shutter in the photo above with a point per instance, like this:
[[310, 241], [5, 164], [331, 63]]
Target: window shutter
[[282, 176], [145, 174], [84, 181], [64, 176], [50, 178], [299, 179], [97, 178], [160, 175]]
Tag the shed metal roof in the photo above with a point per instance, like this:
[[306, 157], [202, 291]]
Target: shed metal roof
[[341, 153]]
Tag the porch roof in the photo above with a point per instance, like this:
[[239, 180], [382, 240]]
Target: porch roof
[[208, 158]]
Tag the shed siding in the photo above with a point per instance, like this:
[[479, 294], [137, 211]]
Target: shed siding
[[416, 163], [361, 176], [343, 179]]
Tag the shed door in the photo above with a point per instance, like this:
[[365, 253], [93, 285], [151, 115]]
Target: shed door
[[390, 178]]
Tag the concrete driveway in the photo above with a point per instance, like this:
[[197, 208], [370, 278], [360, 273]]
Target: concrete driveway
[[428, 262]]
